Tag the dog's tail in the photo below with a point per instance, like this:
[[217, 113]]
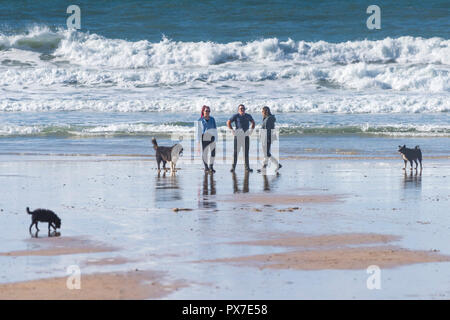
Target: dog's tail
[[419, 154], [155, 144], [28, 211]]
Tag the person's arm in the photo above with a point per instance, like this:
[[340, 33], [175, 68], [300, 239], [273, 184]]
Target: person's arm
[[271, 122], [214, 129], [199, 135], [199, 129], [252, 121], [253, 125], [229, 124]]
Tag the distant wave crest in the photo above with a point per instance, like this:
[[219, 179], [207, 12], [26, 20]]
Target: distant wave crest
[[166, 129]]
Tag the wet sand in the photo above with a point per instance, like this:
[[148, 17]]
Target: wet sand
[[54, 246], [322, 241], [263, 199], [131, 285], [109, 286], [333, 252], [318, 225]]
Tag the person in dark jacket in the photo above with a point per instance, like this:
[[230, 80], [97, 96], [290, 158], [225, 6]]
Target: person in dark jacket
[[266, 138]]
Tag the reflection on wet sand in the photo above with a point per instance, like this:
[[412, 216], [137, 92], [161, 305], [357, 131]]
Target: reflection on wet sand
[[413, 179], [245, 188], [269, 181], [209, 188], [50, 234], [166, 188]]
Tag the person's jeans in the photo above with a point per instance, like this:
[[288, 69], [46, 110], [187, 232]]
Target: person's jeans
[[266, 144], [208, 145], [241, 142]]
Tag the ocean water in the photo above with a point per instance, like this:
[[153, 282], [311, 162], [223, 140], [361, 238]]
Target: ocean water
[[138, 69]]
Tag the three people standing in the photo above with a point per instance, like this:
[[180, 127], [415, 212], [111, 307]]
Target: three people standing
[[244, 126]]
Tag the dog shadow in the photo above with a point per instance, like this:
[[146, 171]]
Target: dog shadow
[[51, 234]]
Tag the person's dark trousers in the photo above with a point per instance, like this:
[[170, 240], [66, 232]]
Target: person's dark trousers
[[246, 150], [205, 144], [267, 144]]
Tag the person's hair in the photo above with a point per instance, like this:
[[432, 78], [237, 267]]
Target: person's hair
[[203, 111], [241, 105], [266, 110]]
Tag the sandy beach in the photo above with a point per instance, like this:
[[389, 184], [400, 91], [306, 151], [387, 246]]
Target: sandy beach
[[109, 286], [89, 93], [305, 233]]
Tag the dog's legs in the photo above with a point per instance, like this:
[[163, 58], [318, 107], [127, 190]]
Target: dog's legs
[[31, 225], [415, 161], [411, 163], [158, 161], [405, 164], [36, 223]]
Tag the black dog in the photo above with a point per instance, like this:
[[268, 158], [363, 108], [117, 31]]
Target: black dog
[[411, 155], [44, 215], [167, 154]]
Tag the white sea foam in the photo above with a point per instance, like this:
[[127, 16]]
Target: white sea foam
[[45, 70], [94, 50], [305, 103], [133, 129], [15, 130]]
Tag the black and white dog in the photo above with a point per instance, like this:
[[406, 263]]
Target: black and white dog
[[167, 154], [44, 215], [411, 155]]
